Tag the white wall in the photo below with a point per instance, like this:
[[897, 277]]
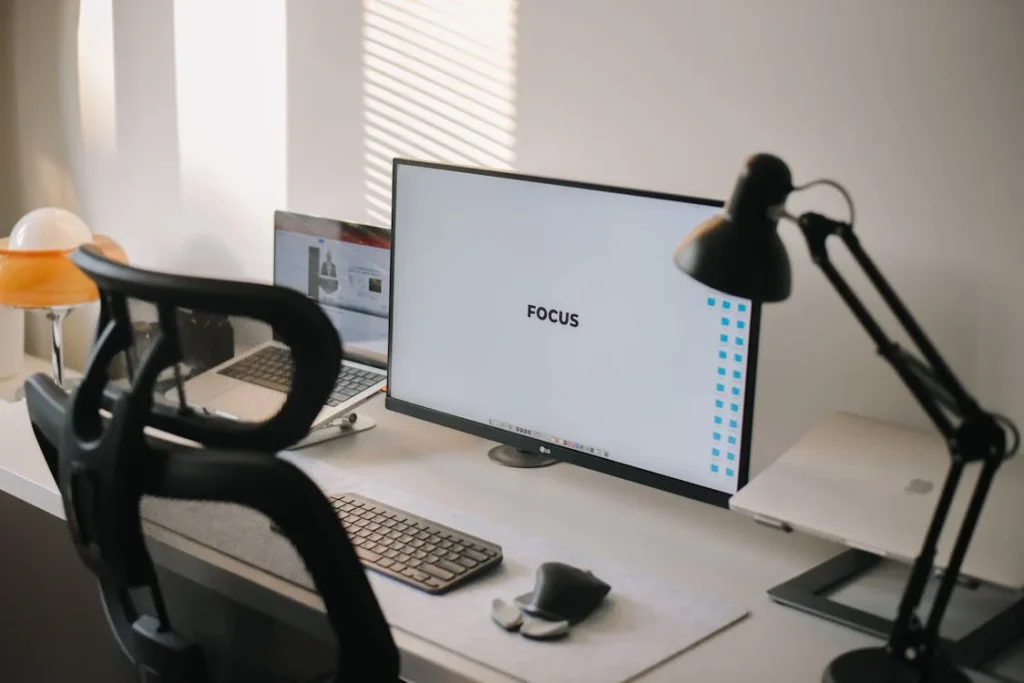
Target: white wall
[[915, 105]]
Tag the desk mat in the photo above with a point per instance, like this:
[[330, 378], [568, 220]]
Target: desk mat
[[643, 622]]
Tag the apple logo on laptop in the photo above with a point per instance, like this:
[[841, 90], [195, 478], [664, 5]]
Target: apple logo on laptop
[[920, 486]]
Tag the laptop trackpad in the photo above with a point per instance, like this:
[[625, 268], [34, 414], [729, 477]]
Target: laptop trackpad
[[248, 403]]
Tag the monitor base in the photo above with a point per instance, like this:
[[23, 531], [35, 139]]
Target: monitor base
[[513, 457], [875, 664]]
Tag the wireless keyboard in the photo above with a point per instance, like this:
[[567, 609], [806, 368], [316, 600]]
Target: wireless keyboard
[[416, 551]]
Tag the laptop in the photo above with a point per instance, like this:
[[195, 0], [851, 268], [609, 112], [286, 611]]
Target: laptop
[[344, 267], [872, 485]]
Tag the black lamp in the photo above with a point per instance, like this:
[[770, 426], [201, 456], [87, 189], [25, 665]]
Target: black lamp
[[740, 253]]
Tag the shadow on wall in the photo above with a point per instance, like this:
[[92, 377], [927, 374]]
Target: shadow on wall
[[439, 83]]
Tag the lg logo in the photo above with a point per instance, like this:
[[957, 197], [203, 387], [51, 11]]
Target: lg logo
[[545, 450], [553, 315]]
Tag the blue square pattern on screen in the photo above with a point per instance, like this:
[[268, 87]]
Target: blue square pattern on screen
[[723, 338], [714, 467], [739, 341], [742, 308], [711, 301], [733, 424], [718, 419], [740, 324], [735, 391], [729, 471], [719, 403], [716, 436], [734, 407], [723, 355], [715, 452], [725, 322], [738, 357], [731, 456], [732, 440], [736, 374], [726, 305], [721, 371], [719, 387]]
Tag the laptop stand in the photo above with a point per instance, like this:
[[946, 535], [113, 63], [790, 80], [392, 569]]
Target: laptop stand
[[809, 593]]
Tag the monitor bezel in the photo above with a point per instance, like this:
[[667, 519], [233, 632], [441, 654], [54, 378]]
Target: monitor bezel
[[610, 467]]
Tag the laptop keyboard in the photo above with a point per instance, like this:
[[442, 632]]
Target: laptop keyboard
[[271, 367]]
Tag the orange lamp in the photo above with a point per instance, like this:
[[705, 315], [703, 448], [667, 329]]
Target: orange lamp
[[37, 273]]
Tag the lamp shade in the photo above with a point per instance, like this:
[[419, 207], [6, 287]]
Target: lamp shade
[[35, 265], [739, 252]]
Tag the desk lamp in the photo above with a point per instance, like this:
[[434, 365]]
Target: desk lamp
[[740, 253], [36, 271]]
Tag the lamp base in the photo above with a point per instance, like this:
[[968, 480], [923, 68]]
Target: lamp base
[[875, 665]]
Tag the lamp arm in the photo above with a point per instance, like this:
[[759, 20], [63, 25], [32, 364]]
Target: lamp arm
[[933, 384], [817, 229]]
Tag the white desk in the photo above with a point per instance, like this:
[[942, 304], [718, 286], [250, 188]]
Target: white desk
[[655, 532]]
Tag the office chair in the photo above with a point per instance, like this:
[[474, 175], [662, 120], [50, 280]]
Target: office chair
[[103, 463]]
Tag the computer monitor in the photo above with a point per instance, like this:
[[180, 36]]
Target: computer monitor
[[548, 315]]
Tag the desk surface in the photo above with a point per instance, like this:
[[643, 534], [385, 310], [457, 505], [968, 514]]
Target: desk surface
[[655, 532]]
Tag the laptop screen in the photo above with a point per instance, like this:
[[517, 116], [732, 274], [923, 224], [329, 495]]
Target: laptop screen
[[344, 267]]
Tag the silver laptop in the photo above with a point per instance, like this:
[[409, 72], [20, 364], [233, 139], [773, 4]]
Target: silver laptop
[[345, 268], [872, 485]]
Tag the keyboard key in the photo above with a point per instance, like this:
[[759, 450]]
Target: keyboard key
[[367, 555], [451, 566], [433, 559], [475, 554], [414, 563], [467, 562], [434, 583], [418, 575], [456, 548], [398, 567], [419, 554], [391, 553], [452, 556], [429, 547], [439, 572], [385, 562], [402, 557]]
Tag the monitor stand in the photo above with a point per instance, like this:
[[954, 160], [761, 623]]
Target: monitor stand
[[513, 457]]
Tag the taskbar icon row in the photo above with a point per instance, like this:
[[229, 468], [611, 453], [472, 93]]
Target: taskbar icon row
[[548, 438]]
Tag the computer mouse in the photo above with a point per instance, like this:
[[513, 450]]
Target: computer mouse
[[563, 592]]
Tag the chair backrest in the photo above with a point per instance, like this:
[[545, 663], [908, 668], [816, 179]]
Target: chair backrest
[[104, 462]]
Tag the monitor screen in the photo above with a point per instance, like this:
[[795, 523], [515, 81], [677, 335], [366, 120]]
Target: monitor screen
[[344, 267], [548, 315]]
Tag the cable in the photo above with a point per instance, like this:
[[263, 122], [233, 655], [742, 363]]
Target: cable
[[833, 184]]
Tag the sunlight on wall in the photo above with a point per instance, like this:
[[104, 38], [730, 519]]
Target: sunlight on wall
[[439, 85], [96, 87], [230, 68]]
